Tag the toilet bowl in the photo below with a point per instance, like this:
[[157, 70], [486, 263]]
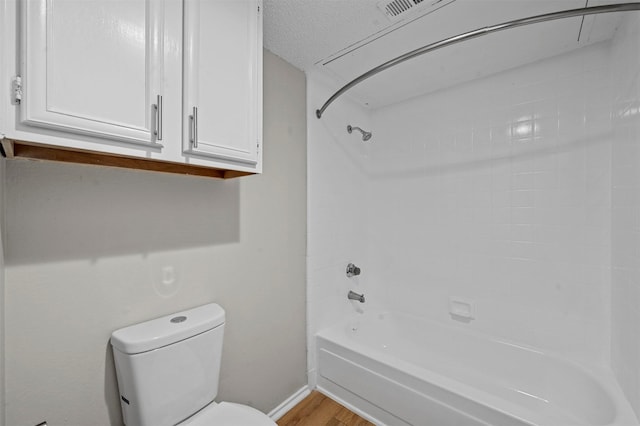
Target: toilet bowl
[[228, 414], [168, 371]]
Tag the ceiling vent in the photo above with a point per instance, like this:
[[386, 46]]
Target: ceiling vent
[[398, 9]]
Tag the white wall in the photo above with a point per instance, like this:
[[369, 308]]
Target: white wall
[[90, 250], [626, 209], [498, 192], [336, 210], [3, 108], [2, 286]]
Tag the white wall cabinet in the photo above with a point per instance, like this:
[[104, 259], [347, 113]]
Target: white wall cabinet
[[93, 67], [222, 80], [161, 81]]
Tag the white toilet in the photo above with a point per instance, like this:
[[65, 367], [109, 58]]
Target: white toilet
[[168, 370]]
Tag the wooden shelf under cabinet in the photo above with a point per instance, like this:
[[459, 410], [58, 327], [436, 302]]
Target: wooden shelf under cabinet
[[29, 150]]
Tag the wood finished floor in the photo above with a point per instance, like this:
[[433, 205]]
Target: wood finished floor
[[319, 410]]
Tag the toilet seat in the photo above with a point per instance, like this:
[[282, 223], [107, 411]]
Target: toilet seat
[[228, 414]]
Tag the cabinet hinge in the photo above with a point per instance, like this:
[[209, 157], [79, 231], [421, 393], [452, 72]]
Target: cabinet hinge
[[17, 89], [258, 9]]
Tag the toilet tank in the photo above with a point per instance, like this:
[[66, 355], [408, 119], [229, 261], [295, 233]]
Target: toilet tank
[[168, 368]]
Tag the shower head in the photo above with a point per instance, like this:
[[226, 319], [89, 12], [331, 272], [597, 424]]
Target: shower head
[[365, 135]]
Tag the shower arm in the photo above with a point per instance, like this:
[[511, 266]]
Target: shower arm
[[571, 13]]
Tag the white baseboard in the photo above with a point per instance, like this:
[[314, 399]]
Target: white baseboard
[[289, 403]]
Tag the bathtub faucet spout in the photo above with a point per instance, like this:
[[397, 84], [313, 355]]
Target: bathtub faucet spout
[[355, 296]]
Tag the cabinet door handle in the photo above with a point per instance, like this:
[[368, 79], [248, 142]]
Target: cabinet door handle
[[158, 108], [194, 127]]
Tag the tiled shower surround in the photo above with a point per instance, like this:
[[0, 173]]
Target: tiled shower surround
[[516, 193], [497, 193], [625, 288]]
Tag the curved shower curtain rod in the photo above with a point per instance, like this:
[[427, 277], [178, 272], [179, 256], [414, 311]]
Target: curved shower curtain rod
[[583, 11]]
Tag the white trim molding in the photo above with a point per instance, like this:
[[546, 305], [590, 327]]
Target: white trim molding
[[289, 403]]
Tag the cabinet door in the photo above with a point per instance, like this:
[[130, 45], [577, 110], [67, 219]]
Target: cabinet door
[[222, 74], [93, 67]]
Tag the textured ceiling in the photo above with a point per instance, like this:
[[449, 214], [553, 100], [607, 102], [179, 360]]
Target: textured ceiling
[[306, 31]]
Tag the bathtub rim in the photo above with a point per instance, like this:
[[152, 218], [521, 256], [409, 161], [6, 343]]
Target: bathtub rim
[[337, 335]]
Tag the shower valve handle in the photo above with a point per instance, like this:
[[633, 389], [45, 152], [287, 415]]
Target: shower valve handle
[[352, 270]]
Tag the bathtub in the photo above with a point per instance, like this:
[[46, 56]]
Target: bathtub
[[399, 370]]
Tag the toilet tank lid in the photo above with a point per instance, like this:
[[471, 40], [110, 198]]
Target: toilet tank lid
[[166, 330]]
